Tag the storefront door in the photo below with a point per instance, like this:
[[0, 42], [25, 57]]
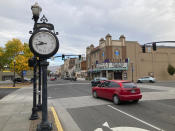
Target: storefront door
[[117, 75]]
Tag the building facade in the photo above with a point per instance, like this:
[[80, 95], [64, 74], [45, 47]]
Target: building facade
[[68, 66], [80, 67], [122, 59]]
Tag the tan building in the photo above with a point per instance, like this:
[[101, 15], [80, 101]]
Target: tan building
[[122, 59], [80, 68], [68, 65]]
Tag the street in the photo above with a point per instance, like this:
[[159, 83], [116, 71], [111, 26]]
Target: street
[[78, 110], [6, 91]]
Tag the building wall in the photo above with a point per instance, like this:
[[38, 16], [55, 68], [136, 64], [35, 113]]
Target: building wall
[[151, 63]]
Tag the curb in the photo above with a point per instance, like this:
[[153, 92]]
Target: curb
[[11, 87], [57, 121]]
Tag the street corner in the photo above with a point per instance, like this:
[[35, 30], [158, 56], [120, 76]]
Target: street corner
[[52, 118]]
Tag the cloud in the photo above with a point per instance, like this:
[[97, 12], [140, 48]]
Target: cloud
[[81, 23]]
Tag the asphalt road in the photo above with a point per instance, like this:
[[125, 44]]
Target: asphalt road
[[165, 84], [78, 110], [6, 91]]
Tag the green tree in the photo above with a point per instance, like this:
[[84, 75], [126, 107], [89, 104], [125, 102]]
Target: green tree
[[171, 69]]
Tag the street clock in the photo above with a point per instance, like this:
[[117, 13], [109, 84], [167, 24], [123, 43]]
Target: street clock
[[44, 43]]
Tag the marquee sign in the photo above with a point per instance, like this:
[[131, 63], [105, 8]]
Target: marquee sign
[[112, 65]]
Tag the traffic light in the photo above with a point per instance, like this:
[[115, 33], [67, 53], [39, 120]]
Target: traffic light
[[154, 47], [63, 56], [144, 48], [31, 62], [79, 57]]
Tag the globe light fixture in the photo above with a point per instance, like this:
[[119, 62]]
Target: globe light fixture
[[36, 10]]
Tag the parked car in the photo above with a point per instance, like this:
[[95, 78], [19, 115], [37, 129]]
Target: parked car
[[97, 80], [18, 80], [67, 78], [117, 91], [146, 79], [73, 78], [53, 78]]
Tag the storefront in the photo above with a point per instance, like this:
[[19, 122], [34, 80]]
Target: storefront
[[109, 70]]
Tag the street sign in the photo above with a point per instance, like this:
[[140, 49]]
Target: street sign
[[24, 73], [45, 25]]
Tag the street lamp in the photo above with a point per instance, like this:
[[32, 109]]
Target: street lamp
[[43, 33], [14, 61], [36, 10]]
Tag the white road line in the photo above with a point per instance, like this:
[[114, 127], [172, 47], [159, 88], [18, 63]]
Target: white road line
[[136, 118]]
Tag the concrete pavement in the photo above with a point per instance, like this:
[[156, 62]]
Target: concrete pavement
[[15, 110]]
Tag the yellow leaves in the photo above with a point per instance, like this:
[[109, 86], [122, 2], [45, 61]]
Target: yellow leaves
[[13, 46], [13, 49]]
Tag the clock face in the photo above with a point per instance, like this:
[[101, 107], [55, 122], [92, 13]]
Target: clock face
[[44, 43]]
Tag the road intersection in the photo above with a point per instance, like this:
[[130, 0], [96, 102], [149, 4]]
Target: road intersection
[[78, 110]]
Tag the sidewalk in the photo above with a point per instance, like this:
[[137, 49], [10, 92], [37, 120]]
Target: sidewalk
[[15, 111]]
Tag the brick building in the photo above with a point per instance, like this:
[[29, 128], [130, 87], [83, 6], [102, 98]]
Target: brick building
[[122, 59]]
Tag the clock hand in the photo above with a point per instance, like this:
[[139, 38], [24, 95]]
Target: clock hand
[[41, 43]]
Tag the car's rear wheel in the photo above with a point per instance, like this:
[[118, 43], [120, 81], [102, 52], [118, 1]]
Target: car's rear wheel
[[139, 81], [151, 81], [116, 100], [95, 94]]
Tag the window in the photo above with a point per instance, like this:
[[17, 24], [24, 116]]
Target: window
[[129, 85], [114, 85], [101, 85]]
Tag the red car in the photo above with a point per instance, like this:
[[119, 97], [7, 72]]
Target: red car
[[53, 78], [117, 90]]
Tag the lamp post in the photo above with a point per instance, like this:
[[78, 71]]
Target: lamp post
[[43, 36], [36, 10], [132, 68], [14, 61], [39, 106]]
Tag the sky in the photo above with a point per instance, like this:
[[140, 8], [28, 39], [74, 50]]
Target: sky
[[83, 22]]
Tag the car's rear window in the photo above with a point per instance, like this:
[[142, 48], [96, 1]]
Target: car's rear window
[[103, 78], [129, 85]]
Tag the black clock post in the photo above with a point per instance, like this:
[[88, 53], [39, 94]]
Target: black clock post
[[44, 44]]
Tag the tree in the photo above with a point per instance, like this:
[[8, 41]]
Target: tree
[[3, 59], [15, 50], [171, 69], [21, 63], [12, 49]]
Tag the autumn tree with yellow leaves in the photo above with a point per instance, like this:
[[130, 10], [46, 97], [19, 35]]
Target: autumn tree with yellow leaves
[[15, 50]]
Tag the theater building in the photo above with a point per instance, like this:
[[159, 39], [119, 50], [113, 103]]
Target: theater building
[[123, 59]]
